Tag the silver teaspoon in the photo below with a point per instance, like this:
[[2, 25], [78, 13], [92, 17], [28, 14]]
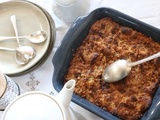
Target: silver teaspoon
[[26, 50], [22, 56], [121, 68], [36, 37]]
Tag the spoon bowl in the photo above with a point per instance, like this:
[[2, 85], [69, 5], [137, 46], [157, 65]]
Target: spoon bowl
[[24, 54], [116, 71], [36, 37], [27, 51], [121, 68]]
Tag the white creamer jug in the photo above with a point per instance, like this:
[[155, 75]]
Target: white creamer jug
[[69, 10], [42, 106]]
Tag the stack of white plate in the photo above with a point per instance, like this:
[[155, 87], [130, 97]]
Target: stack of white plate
[[30, 18]]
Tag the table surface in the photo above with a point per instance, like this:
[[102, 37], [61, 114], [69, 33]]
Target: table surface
[[40, 79]]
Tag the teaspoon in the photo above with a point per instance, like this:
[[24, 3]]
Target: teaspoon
[[21, 55], [36, 37], [121, 68], [27, 51]]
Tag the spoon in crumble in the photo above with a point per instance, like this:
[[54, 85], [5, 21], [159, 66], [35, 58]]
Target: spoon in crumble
[[121, 68]]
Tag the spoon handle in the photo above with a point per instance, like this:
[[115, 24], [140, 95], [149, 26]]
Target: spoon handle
[[145, 59], [3, 38], [7, 49], [13, 20]]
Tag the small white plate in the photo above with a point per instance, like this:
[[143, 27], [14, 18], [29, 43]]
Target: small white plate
[[30, 18]]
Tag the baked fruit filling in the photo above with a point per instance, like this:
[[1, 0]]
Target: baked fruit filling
[[106, 42]]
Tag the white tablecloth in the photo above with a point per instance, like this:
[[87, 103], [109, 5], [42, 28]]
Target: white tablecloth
[[41, 78]]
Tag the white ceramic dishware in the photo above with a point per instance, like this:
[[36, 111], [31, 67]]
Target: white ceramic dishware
[[38, 105], [41, 21]]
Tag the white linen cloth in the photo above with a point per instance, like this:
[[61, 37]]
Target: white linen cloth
[[41, 78]]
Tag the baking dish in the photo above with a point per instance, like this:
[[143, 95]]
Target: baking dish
[[73, 38]]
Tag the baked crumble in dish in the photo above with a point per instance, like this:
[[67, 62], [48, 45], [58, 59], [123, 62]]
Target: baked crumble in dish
[[106, 42]]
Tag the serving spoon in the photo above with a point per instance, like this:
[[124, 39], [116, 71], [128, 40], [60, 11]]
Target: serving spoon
[[27, 52], [36, 37], [121, 68]]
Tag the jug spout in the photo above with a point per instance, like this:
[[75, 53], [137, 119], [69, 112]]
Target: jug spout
[[66, 93]]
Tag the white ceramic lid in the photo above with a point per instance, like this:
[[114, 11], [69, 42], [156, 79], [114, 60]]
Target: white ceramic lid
[[33, 106]]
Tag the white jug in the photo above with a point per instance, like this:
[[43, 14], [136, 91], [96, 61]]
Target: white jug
[[42, 106], [70, 10]]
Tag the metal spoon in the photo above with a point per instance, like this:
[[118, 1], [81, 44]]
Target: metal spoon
[[120, 69], [27, 51], [36, 37], [20, 56]]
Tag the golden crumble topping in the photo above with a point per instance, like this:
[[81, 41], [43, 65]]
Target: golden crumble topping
[[106, 42]]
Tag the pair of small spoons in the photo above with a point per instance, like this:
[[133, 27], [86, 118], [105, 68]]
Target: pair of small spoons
[[24, 53], [121, 68]]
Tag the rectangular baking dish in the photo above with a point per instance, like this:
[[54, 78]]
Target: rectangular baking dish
[[73, 38]]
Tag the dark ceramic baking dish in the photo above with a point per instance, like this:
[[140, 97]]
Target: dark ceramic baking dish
[[73, 38]]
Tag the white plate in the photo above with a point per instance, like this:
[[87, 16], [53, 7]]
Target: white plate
[[30, 18]]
